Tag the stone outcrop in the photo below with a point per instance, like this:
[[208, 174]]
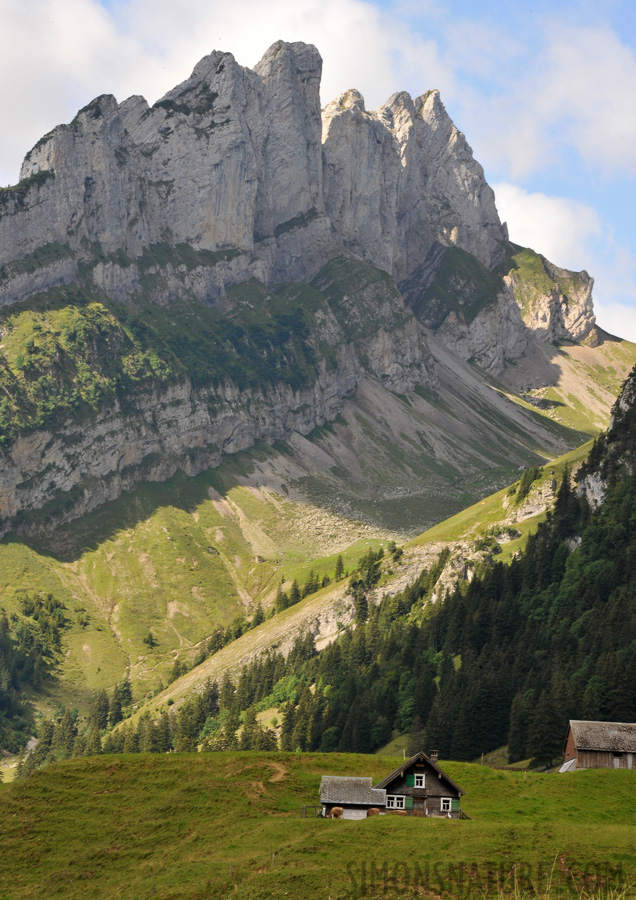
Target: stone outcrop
[[403, 177], [72, 468], [494, 337], [230, 159], [490, 317], [556, 304]]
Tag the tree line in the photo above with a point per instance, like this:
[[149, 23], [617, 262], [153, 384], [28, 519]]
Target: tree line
[[28, 645]]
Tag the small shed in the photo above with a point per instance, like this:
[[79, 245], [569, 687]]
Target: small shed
[[355, 795], [421, 788], [599, 745]]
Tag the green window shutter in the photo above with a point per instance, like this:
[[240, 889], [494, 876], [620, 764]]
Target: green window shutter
[[409, 803], [410, 780], [455, 804]]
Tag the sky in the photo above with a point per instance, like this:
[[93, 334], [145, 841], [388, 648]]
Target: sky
[[545, 93]]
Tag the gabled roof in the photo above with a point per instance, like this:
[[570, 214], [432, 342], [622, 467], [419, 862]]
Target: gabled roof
[[341, 789], [617, 736], [419, 757]]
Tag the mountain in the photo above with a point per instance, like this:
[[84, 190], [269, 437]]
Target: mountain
[[515, 650], [240, 337], [230, 265], [492, 629]]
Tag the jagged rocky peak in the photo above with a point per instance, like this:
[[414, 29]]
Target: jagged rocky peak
[[402, 178], [241, 165], [226, 160]]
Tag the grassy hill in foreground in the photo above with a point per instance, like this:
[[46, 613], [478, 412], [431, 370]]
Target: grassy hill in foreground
[[207, 825]]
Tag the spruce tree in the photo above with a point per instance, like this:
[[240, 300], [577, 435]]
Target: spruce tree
[[131, 740], [249, 732], [546, 733], [518, 731], [93, 742], [287, 730], [163, 733], [100, 708], [124, 691], [116, 714]]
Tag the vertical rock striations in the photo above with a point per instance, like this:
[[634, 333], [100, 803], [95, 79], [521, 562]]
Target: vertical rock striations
[[289, 227], [402, 178]]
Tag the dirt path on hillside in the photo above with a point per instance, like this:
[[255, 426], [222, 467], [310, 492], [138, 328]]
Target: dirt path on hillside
[[280, 772]]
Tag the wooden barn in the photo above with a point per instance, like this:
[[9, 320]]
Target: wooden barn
[[421, 788], [599, 745], [354, 796]]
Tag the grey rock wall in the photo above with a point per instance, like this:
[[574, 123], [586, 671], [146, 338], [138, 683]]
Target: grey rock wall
[[403, 177], [79, 465], [237, 174], [242, 159]]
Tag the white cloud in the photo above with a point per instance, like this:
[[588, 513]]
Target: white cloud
[[571, 234], [574, 97], [559, 228]]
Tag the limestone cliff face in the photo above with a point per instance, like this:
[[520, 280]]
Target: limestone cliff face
[[240, 160], [240, 167], [75, 466], [236, 177], [490, 317], [230, 159], [399, 179], [495, 336], [555, 304]]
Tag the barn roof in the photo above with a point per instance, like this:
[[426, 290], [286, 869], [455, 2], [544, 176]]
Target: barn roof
[[341, 789], [618, 736], [419, 757]]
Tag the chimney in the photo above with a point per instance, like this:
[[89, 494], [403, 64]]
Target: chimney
[[433, 756]]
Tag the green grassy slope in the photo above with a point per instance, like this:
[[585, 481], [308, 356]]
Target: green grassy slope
[[179, 559], [183, 558], [207, 825], [320, 611], [475, 520]]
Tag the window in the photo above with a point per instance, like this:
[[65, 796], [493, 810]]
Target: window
[[420, 780], [394, 801], [445, 804]]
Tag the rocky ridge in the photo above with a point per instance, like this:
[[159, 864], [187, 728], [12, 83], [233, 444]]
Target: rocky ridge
[[236, 178], [614, 453]]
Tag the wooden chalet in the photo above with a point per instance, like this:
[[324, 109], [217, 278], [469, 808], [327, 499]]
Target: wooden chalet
[[599, 745], [416, 788], [421, 788], [355, 796]]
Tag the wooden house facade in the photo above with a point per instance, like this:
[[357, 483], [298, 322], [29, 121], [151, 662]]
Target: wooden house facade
[[416, 788], [599, 745], [421, 788]]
